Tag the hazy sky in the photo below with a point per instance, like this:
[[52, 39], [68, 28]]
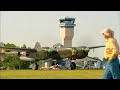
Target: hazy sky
[[28, 27]]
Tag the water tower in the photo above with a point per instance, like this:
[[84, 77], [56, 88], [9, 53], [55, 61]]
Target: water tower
[[67, 31]]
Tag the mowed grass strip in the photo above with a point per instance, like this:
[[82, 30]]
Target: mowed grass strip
[[51, 74]]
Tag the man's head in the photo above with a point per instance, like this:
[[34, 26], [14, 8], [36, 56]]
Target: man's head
[[107, 33]]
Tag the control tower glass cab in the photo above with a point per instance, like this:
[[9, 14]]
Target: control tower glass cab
[[67, 22], [67, 31]]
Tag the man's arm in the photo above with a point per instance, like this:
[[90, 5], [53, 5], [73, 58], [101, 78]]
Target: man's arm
[[114, 50]]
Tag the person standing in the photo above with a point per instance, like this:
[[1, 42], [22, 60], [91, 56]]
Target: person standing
[[85, 65], [101, 65], [111, 55]]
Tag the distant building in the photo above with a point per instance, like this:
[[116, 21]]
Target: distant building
[[67, 31], [58, 45]]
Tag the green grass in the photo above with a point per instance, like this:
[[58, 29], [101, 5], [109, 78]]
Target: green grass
[[51, 74]]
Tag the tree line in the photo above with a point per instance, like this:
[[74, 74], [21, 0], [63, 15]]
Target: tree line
[[11, 45]]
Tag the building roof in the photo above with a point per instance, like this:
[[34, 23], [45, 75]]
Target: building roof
[[67, 18]]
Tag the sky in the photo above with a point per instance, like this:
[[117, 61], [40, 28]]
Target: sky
[[29, 27]]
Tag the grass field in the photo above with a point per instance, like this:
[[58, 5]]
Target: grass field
[[51, 74]]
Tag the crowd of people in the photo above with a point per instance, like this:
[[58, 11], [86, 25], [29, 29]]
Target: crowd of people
[[92, 65]]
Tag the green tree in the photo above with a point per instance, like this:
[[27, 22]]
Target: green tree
[[15, 63], [24, 46], [11, 62], [29, 47], [17, 47], [8, 45], [1, 63]]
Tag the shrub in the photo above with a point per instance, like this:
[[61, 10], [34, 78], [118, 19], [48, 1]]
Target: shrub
[[15, 63]]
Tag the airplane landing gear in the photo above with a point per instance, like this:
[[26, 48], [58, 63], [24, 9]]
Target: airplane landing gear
[[72, 66]]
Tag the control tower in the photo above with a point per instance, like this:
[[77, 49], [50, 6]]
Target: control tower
[[67, 31]]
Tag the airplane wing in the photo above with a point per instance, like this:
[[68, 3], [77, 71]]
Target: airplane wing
[[18, 49], [93, 58], [96, 47]]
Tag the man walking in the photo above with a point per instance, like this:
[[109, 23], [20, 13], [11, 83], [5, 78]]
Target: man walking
[[111, 55]]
